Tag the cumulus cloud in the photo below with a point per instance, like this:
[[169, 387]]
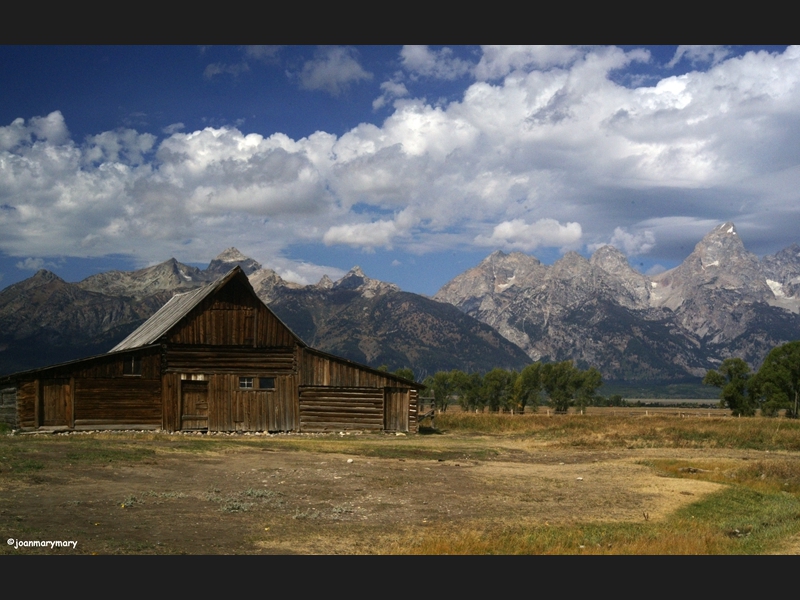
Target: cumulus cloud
[[173, 128], [124, 145], [439, 64], [263, 53], [219, 68], [303, 272], [499, 61], [332, 70], [362, 235], [519, 235], [394, 88], [632, 244], [544, 149], [33, 264], [698, 55]]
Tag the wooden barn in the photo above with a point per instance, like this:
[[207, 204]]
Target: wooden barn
[[213, 359]]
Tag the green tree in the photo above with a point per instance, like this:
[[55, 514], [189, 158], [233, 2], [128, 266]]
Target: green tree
[[558, 382], [732, 378], [498, 389], [443, 388], [405, 373], [469, 387], [585, 384], [777, 383], [528, 387]]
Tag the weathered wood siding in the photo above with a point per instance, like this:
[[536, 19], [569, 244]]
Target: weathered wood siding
[[232, 317], [336, 408], [321, 370], [208, 359], [396, 407], [27, 393], [8, 407], [113, 366], [171, 401], [235, 409], [413, 411], [56, 403], [117, 401]]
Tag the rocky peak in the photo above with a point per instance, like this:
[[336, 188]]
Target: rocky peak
[[782, 273], [719, 262], [43, 276], [325, 283], [230, 258], [267, 282], [610, 259], [570, 266], [630, 288], [169, 275], [355, 279]]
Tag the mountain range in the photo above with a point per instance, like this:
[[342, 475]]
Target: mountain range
[[722, 301], [507, 311], [46, 320]]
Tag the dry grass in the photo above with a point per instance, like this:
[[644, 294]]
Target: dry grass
[[633, 431]]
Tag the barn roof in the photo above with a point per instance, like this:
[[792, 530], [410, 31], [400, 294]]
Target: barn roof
[[176, 309]]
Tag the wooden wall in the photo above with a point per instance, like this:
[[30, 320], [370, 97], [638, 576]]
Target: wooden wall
[[8, 407], [336, 409], [230, 408], [318, 369], [208, 359], [117, 401], [233, 316]]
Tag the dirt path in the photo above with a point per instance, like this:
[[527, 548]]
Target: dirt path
[[282, 501]]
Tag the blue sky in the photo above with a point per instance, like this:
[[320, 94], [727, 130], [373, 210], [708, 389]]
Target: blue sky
[[413, 162]]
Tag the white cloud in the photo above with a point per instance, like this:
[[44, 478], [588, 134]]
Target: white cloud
[[698, 55], [173, 128], [124, 145], [362, 235], [545, 151], [219, 68], [499, 61], [632, 244], [332, 71], [519, 235], [439, 64], [303, 272], [266, 54], [30, 264], [391, 89]]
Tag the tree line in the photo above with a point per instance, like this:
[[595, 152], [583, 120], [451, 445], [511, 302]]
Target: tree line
[[500, 390], [775, 386]]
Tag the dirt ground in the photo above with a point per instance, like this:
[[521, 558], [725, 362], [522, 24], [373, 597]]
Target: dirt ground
[[266, 497]]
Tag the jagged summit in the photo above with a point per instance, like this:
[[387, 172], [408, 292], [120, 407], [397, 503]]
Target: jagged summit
[[355, 279], [228, 259], [325, 283], [231, 255], [43, 276]]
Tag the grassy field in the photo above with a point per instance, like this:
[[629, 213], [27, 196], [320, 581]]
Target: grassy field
[[609, 482]]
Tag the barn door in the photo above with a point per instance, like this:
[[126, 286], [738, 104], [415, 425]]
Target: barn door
[[55, 402], [395, 409], [194, 404]]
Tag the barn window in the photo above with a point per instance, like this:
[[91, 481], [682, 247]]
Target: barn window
[[132, 365], [266, 383], [245, 383]]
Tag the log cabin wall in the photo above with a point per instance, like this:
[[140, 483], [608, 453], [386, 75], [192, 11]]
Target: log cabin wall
[[336, 394], [117, 390], [8, 407], [233, 316]]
